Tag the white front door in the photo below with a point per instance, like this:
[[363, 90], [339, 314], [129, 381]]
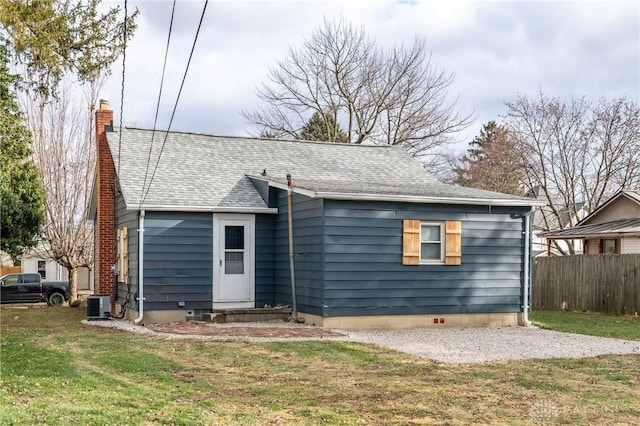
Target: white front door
[[233, 263]]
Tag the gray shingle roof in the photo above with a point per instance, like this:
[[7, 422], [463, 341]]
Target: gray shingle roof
[[210, 172]]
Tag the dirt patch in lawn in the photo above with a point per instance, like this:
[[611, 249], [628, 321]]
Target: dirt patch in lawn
[[273, 330]]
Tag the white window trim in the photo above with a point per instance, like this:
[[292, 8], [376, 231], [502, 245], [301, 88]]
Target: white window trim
[[442, 242]]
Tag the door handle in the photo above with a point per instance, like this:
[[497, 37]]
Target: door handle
[[220, 262]]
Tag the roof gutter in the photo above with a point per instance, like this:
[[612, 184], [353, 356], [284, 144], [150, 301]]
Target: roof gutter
[[495, 202], [428, 199], [526, 306]]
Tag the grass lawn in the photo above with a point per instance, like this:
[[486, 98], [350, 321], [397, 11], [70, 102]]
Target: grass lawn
[[57, 371], [592, 323]]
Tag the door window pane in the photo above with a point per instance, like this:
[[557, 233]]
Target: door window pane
[[234, 263], [11, 280], [234, 237]]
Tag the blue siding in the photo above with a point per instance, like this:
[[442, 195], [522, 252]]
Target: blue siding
[[364, 275], [308, 249], [348, 259], [178, 260], [265, 258]]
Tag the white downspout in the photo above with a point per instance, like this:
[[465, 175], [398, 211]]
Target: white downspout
[[527, 261], [294, 305], [140, 297]]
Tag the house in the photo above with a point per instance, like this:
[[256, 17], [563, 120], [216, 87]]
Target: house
[[48, 269], [377, 241], [614, 227], [37, 260]]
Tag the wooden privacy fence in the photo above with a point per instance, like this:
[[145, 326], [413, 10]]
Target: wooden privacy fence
[[599, 283], [4, 270]]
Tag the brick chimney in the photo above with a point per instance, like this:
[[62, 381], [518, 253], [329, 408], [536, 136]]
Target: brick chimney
[[105, 255]]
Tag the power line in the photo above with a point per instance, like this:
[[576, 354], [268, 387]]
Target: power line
[[124, 60], [155, 121], [173, 113]]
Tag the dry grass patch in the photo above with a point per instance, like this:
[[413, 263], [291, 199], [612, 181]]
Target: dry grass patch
[[58, 371]]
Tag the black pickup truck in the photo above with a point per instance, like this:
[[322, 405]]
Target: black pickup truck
[[29, 288]]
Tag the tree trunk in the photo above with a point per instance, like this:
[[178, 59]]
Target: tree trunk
[[73, 284]]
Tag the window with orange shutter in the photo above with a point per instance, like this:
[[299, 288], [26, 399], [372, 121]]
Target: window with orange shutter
[[431, 242]]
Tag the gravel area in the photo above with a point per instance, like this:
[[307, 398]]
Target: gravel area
[[474, 345], [448, 345]]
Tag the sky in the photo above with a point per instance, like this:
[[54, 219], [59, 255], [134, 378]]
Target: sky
[[496, 50]]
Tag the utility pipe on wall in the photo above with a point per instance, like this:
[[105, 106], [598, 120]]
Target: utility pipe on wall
[[527, 272], [294, 307], [140, 297]]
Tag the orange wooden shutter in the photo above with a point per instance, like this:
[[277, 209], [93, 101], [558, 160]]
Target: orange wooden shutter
[[410, 242], [122, 254], [453, 242]]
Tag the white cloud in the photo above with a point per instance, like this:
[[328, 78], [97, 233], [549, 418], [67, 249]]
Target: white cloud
[[496, 49]]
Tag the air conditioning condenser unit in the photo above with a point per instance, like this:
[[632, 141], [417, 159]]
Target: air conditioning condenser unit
[[98, 307]]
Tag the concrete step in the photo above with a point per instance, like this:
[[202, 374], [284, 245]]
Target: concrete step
[[247, 315]]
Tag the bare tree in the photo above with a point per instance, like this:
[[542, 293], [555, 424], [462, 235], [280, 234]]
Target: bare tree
[[576, 152], [64, 150], [395, 96]]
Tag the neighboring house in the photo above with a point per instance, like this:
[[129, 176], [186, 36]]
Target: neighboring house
[[33, 261], [48, 269], [545, 219], [378, 242], [614, 227]]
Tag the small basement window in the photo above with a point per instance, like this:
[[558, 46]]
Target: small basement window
[[431, 242]]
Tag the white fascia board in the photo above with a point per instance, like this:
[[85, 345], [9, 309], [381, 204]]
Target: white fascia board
[[206, 209], [306, 192], [426, 199]]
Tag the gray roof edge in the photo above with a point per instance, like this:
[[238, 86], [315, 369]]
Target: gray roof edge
[[596, 229], [497, 202], [204, 209]]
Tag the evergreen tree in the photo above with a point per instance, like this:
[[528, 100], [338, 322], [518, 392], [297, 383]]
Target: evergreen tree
[[55, 37], [22, 195], [323, 127], [491, 162]]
